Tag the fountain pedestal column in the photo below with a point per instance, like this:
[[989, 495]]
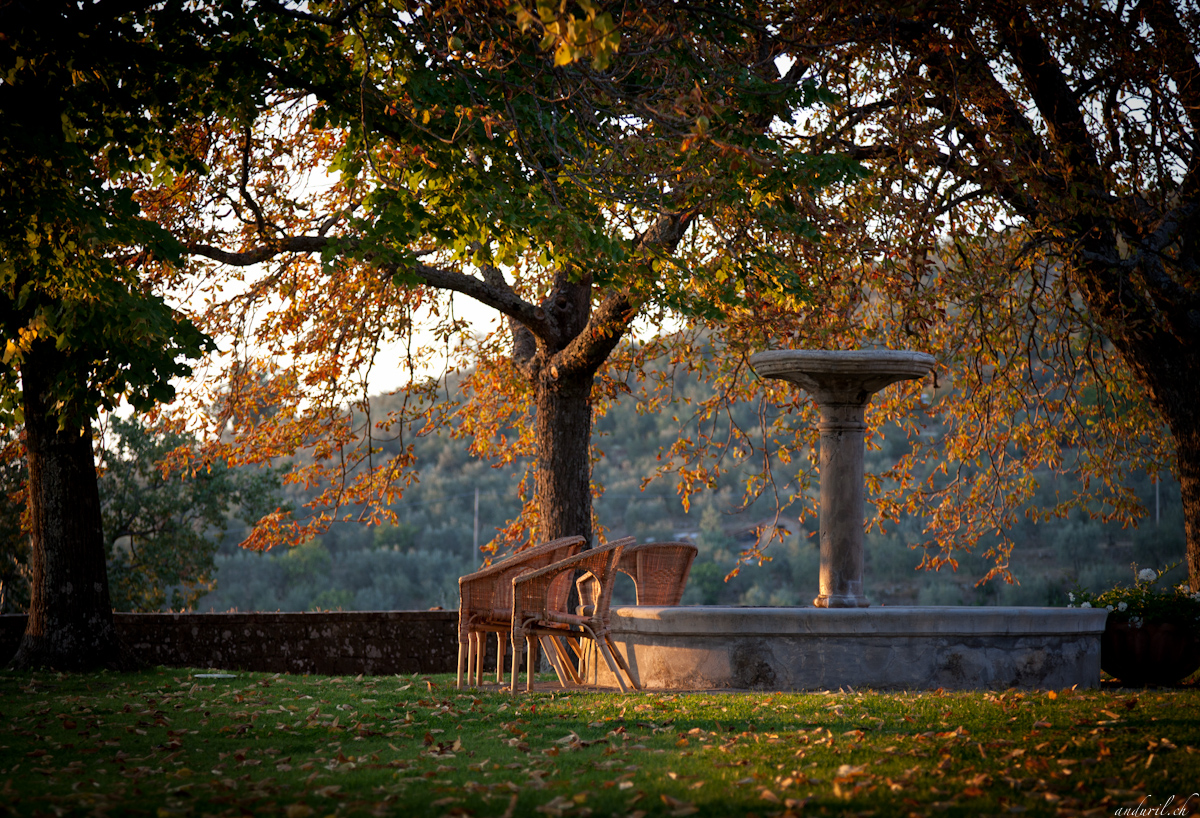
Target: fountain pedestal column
[[842, 383], [843, 506]]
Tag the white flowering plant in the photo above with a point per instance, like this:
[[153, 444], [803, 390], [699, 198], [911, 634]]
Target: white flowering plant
[[1144, 602]]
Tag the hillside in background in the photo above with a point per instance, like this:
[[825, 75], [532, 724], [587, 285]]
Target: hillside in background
[[416, 563]]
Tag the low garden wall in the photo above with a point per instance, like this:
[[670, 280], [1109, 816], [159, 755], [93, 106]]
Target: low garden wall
[[350, 642]]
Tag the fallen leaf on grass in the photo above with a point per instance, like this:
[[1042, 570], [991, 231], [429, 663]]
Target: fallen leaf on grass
[[1038, 724], [958, 731], [677, 807], [556, 806], [298, 811]]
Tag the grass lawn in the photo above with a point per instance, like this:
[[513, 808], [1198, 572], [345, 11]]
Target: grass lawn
[[166, 742]]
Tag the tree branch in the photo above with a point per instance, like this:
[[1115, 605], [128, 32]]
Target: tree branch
[[609, 320], [501, 299], [1056, 101], [257, 255], [1180, 60]]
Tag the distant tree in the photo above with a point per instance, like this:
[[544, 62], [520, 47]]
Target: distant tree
[[162, 524]]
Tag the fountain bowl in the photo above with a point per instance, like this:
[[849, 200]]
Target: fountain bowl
[[842, 376]]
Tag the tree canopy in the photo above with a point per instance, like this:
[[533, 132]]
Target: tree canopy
[[93, 97], [529, 162], [1025, 220], [339, 173], [1030, 220]]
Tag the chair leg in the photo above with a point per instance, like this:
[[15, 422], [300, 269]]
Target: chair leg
[[621, 661], [460, 659], [481, 647], [472, 640], [564, 659], [479, 643], [552, 658], [556, 654], [602, 647], [501, 647], [517, 638], [531, 649]]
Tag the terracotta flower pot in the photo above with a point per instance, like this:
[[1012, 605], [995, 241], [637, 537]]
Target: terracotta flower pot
[[1155, 653]]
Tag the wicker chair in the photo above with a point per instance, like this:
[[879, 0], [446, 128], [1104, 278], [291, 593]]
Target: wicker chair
[[485, 603], [537, 613], [659, 570]]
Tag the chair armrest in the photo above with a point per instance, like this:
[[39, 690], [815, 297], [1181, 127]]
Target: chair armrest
[[531, 591]]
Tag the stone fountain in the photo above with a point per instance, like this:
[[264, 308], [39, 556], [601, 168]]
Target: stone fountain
[[841, 641], [842, 384]]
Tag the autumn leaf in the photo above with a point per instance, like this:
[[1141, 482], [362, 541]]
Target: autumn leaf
[[678, 807]]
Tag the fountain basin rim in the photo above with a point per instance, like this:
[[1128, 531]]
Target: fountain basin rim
[[726, 621], [782, 363]]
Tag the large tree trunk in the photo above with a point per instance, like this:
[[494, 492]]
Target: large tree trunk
[[70, 623], [1188, 452], [1161, 349], [563, 481], [1170, 369]]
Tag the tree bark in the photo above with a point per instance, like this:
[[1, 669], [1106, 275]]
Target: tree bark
[[70, 625], [1188, 453], [563, 480], [1169, 368]]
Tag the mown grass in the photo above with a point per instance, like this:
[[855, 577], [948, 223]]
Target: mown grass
[[164, 742]]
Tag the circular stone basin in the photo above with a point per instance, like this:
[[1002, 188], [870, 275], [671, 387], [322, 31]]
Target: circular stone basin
[[912, 648], [842, 376]]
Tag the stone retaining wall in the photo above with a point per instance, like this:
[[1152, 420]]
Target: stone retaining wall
[[352, 642]]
